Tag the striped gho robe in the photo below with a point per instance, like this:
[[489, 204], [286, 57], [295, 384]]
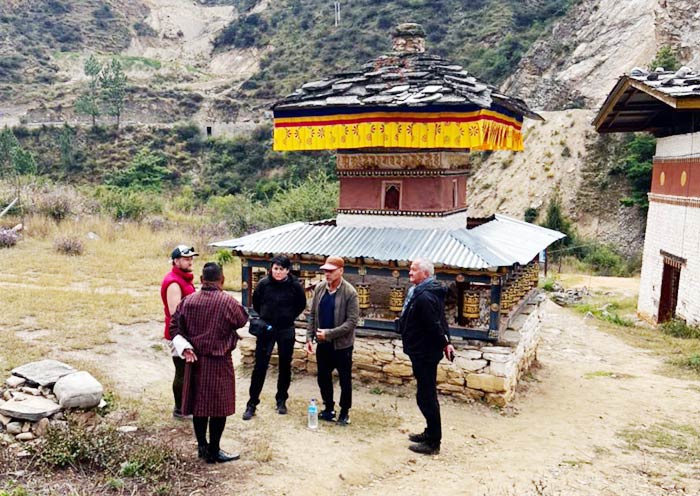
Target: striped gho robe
[[208, 319]]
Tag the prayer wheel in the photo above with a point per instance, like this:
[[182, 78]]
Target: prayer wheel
[[256, 276], [363, 295], [506, 299], [470, 309], [396, 297]]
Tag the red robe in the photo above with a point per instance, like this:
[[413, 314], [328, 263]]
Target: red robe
[[208, 319]]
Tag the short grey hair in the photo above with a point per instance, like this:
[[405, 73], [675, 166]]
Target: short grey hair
[[425, 265]]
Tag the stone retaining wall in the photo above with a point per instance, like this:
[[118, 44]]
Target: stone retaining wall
[[484, 371]]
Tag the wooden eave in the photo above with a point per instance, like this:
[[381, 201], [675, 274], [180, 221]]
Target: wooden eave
[[619, 113]]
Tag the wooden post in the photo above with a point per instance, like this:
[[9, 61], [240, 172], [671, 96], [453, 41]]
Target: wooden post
[[495, 308]]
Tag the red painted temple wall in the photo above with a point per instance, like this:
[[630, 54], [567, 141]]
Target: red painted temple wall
[[672, 170], [427, 194]]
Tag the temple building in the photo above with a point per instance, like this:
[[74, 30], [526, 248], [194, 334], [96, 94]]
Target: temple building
[[666, 104], [404, 126]]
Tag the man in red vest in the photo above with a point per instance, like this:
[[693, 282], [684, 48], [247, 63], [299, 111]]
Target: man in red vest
[[175, 286]]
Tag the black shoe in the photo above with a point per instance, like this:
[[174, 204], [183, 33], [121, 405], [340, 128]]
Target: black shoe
[[344, 417], [282, 408], [425, 448], [327, 415], [249, 412], [178, 415], [222, 457], [418, 438], [202, 450]]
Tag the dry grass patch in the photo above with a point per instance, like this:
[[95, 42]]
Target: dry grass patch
[[675, 442]]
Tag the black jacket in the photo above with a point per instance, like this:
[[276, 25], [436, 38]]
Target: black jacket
[[422, 325], [279, 302]]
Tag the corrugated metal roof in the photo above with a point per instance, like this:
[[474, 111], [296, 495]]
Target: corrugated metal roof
[[501, 242]]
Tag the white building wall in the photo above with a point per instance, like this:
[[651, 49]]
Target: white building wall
[[674, 229]]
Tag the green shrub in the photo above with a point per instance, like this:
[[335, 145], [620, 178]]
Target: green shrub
[[605, 261], [224, 257], [127, 204], [148, 170], [531, 214], [548, 284], [667, 58], [104, 448], [691, 362], [680, 329]]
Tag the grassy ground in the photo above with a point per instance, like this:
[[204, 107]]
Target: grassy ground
[[72, 301]]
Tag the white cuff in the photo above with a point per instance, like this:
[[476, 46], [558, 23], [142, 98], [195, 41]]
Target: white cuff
[[181, 344]]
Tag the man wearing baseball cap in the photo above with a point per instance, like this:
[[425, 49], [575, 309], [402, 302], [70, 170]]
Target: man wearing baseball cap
[[175, 286], [333, 317]]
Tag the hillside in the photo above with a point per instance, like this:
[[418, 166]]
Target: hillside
[[220, 63]]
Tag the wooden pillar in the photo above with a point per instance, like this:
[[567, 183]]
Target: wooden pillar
[[495, 307], [246, 283]]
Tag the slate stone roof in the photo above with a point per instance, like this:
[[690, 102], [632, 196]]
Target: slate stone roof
[[403, 80], [683, 82]]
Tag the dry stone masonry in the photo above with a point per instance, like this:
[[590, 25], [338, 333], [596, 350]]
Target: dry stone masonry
[[36, 396], [483, 371]]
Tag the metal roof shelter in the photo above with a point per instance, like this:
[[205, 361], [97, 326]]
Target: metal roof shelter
[[403, 125], [501, 242]]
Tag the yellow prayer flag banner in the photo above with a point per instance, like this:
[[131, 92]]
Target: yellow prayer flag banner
[[480, 130]]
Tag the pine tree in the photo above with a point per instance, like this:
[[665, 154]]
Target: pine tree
[[113, 89], [88, 103]]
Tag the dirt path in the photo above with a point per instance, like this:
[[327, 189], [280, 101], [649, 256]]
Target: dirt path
[[561, 435]]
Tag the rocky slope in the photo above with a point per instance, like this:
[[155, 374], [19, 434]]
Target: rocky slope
[[167, 49], [575, 67]]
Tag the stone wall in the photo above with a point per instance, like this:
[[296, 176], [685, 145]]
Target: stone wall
[[484, 371]]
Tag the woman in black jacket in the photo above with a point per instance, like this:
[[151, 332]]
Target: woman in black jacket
[[278, 299]]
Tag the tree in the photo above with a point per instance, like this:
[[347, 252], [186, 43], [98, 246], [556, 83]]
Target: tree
[[16, 163], [88, 102], [65, 142], [666, 57], [638, 164], [113, 86]]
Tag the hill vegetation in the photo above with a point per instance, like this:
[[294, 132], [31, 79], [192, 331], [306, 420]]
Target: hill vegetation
[[488, 37], [33, 31]]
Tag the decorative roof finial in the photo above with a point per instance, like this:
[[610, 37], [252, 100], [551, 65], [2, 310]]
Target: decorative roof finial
[[408, 37]]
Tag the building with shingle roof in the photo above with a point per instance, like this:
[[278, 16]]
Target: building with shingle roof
[[403, 126], [666, 104]]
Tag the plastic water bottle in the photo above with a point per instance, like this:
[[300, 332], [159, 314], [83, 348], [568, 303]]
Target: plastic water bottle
[[313, 415]]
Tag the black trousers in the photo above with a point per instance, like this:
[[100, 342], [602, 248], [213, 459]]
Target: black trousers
[[327, 359], [425, 372], [178, 381], [263, 351]]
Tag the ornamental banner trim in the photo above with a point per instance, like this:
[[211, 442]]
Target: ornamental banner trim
[[482, 129]]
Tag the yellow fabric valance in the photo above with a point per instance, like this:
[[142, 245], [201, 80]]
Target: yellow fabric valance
[[478, 130]]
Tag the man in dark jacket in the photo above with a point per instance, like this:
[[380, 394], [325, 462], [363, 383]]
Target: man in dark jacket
[[278, 299], [425, 336]]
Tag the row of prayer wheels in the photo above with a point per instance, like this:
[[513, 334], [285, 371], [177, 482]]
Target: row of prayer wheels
[[396, 297], [523, 281]]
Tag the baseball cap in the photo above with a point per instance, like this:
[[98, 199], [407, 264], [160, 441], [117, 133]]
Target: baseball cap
[[183, 251], [333, 263]]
